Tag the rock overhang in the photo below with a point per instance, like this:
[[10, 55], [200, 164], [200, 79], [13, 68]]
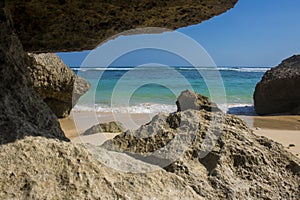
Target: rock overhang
[[63, 25]]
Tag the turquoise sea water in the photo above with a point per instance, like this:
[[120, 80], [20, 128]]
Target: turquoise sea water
[[154, 89]]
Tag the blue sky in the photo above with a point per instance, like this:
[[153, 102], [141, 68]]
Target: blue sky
[[254, 33]]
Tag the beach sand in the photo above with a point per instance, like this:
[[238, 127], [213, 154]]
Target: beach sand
[[78, 122], [282, 129]]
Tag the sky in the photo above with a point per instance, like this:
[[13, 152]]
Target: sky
[[258, 33]]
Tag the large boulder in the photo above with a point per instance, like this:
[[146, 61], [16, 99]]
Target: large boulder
[[279, 89], [55, 82], [189, 99], [216, 154]]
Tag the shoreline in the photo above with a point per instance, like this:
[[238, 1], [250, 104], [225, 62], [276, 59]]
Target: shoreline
[[284, 129]]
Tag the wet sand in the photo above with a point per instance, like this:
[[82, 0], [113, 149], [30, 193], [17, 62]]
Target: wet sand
[[282, 129]]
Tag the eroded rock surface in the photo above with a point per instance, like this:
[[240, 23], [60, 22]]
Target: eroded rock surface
[[279, 89], [40, 168], [56, 83], [223, 158]]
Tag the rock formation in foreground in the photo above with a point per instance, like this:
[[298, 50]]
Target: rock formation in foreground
[[279, 89], [40, 168], [241, 165], [216, 154], [56, 83]]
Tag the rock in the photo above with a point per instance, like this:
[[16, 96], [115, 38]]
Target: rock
[[189, 99], [296, 111], [279, 91], [241, 165], [56, 83], [77, 25], [110, 127], [222, 158], [22, 111], [40, 168]]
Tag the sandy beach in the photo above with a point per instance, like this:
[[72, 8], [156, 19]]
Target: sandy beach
[[78, 122], [282, 129]]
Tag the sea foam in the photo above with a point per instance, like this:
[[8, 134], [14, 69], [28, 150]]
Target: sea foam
[[154, 108], [139, 108]]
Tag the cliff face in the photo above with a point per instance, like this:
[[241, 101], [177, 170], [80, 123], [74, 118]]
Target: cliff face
[[65, 25]]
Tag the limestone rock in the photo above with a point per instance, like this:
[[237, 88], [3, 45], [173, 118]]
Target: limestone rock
[[40, 168], [56, 83], [223, 158], [279, 89], [22, 111], [189, 99], [110, 127], [53, 26]]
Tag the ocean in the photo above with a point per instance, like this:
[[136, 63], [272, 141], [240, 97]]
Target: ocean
[[153, 89]]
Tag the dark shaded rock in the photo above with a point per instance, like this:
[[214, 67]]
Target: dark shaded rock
[[189, 99], [49, 26], [22, 111], [279, 89], [240, 164], [56, 83], [296, 111], [110, 127]]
